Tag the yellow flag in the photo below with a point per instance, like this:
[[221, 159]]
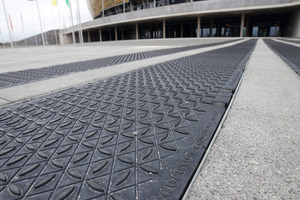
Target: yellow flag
[[54, 2]]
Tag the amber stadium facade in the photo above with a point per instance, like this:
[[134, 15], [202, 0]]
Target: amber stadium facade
[[150, 19]]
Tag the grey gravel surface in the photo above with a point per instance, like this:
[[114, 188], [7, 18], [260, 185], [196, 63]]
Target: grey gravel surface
[[256, 155]]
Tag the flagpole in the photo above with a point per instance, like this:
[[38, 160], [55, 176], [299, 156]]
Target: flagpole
[[42, 33], [32, 19], [45, 32], [73, 35], [2, 38], [11, 40], [80, 27], [54, 26], [60, 23], [12, 30], [23, 29]]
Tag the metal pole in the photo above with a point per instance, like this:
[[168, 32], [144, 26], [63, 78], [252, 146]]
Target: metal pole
[[9, 31], [23, 29], [60, 23], [2, 38], [73, 35], [54, 25], [42, 33], [80, 25], [32, 19]]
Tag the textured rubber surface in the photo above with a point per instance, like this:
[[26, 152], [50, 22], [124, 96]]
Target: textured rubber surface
[[294, 41], [138, 135], [26, 76], [289, 53]]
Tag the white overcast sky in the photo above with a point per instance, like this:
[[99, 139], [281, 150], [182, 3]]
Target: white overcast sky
[[49, 15]]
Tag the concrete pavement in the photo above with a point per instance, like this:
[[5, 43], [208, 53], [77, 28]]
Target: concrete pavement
[[256, 154]]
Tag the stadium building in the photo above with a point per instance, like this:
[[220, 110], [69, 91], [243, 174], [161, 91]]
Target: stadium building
[[148, 19]]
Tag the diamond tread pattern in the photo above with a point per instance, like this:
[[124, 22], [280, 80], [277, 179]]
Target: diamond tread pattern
[[138, 135], [289, 53], [10, 79]]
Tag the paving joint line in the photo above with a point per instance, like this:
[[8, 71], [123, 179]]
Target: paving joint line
[[216, 134], [6, 99], [283, 58]]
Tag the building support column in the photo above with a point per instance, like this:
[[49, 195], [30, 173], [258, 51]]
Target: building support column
[[164, 28], [211, 28], [218, 29], [242, 24], [89, 37], [136, 31], [199, 27], [181, 29], [116, 33], [100, 35], [247, 27]]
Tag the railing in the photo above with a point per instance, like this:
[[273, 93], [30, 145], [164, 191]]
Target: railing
[[113, 7]]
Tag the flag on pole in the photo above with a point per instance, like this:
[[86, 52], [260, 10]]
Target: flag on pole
[[68, 3], [54, 2], [11, 25]]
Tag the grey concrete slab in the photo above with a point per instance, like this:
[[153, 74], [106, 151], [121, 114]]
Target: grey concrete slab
[[36, 57], [26, 91], [254, 157], [272, 86], [256, 153]]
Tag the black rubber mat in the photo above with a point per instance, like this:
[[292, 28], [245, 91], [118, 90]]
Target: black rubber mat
[[138, 135], [289, 53], [293, 41], [31, 75]]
